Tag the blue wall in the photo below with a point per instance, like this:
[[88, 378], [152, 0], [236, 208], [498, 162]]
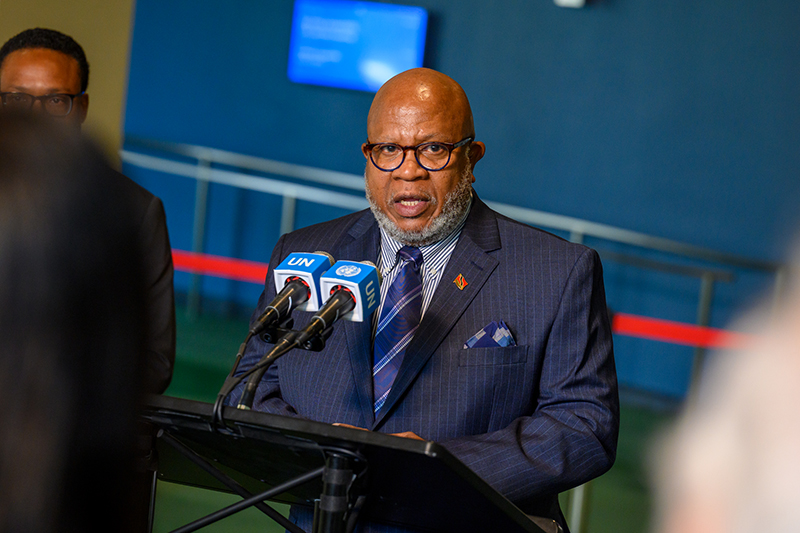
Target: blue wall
[[679, 119]]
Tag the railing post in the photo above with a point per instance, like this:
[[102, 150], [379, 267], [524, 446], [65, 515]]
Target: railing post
[[781, 285], [703, 319], [579, 496], [579, 501], [199, 231], [288, 212]]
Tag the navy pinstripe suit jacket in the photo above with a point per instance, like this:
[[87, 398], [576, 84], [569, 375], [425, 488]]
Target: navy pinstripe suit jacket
[[532, 420]]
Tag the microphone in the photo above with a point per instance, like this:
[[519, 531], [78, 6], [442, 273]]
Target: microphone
[[352, 290], [299, 275], [353, 293]]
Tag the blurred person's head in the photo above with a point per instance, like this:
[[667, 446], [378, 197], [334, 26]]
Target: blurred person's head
[[71, 330], [419, 196], [732, 464], [46, 71]]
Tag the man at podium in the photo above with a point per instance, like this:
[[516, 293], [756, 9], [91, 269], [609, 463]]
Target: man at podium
[[492, 338]]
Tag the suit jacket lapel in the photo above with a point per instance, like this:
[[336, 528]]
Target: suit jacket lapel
[[361, 244], [470, 258]]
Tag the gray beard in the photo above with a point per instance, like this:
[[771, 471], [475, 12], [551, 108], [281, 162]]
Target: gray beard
[[456, 204]]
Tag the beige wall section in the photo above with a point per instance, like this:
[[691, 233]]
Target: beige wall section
[[103, 29]]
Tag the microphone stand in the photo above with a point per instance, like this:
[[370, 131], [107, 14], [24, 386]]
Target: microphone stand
[[285, 340]]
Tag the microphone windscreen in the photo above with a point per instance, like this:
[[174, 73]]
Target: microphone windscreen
[[361, 279], [308, 267]]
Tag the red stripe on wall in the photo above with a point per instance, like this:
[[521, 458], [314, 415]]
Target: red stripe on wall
[[223, 267], [623, 324], [677, 332]]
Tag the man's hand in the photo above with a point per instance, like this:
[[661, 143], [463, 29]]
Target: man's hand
[[348, 426], [405, 434], [408, 435]]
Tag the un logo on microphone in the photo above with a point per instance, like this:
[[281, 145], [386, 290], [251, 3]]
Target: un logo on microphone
[[348, 271]]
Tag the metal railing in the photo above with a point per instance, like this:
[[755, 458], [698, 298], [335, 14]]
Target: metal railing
[[203, 170]]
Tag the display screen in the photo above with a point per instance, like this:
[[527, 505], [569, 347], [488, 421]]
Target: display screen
[[354, 45]]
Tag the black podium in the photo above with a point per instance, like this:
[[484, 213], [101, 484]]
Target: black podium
[[343, 471]]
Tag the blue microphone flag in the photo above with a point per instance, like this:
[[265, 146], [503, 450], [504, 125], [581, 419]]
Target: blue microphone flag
[[361, 279], [308, 267]]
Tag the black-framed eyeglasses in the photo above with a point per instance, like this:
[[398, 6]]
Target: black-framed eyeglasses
[[57, 105], [433, 155]]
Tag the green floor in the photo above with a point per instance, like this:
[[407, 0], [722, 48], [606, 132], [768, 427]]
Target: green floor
[[619, 500]]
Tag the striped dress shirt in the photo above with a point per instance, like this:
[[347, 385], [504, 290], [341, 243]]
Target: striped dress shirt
[[434, 260]]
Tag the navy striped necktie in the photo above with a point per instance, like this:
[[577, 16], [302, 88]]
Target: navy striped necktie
[[399, 319]]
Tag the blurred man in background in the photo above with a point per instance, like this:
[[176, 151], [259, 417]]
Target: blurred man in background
[[46, 71]]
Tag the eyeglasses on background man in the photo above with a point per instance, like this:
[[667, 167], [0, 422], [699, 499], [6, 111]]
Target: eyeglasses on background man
[[57, 105]]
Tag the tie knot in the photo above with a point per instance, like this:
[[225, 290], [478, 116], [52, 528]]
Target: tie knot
[[411, 253]]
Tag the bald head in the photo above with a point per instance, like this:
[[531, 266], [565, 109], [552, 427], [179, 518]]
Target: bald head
[[416, 202], [422, 89]]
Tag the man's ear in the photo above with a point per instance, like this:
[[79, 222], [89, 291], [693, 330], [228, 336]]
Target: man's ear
[[83, 107], [476, 151]]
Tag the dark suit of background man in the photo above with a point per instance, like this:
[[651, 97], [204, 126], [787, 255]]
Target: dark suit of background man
[[533, 419], [47, 71]]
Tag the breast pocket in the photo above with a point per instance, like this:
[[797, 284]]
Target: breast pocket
[[499, 355]]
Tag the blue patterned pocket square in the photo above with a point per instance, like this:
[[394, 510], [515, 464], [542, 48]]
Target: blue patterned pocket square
[[491, 336]]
